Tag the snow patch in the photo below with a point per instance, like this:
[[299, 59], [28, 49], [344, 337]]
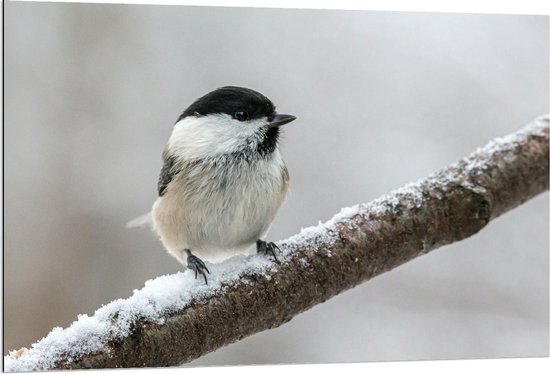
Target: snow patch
[[154, 302]]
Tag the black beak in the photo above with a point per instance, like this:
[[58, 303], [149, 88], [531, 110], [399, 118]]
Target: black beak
[[280, 119]]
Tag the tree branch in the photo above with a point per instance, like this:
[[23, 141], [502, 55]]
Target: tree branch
[[175, 319]]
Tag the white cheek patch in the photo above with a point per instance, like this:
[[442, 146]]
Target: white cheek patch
[[212, 135]]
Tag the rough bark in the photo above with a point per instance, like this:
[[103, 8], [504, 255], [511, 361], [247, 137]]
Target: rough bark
[[356, 245]]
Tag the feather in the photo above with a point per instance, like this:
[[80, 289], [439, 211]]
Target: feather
[[142, 222]]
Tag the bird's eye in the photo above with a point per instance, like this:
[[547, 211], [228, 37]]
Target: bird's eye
[[241, 115]]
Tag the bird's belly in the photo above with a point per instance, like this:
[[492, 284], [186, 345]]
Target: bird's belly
[[221, 216]]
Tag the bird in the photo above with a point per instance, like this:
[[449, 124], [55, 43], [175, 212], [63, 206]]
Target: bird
[[222, 181]]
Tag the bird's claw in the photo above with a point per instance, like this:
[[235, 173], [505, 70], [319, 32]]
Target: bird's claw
[[267, 247], [197, 265]]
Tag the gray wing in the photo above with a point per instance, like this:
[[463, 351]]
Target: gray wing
[[170, 169]]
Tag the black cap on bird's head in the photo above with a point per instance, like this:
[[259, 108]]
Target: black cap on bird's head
[[242, 104]]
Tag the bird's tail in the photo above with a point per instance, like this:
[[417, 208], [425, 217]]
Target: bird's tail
[[142, 222]]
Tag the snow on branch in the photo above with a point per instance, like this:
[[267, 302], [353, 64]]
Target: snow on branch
[[175, 318]]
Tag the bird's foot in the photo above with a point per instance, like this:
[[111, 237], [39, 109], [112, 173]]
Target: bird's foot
[[267, 248], [197, 265]]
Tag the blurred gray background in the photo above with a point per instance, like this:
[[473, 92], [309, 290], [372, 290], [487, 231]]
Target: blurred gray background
[[382, 99]]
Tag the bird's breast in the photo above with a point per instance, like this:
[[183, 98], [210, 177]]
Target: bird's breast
[[218, 205]]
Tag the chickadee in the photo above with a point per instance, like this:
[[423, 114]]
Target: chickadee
[[223, 178]]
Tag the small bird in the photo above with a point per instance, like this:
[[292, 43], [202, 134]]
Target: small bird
[[223, 179]]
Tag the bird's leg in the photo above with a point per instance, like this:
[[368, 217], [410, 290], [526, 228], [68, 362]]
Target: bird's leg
[[196, 264], [267, 247]]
